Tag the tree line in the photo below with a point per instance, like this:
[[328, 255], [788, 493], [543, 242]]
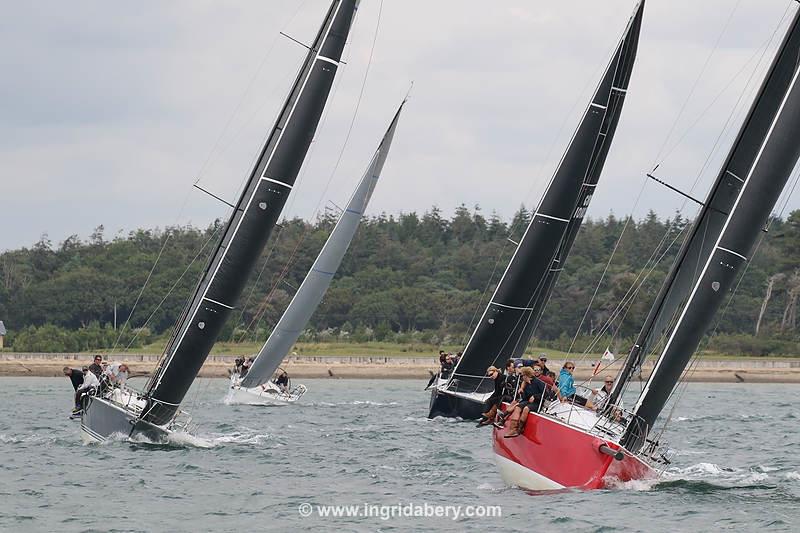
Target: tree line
[[407, 277]]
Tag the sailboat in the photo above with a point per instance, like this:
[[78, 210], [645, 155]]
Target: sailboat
[[256, 387], [567, 445], [511, 316], [155, 412]]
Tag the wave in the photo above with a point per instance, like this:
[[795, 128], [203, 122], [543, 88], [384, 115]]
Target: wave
[[243, 438], [709, 477], [639, 485]]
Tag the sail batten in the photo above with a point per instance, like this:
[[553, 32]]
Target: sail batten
[[319, 277], [251, 222], [508, 321]]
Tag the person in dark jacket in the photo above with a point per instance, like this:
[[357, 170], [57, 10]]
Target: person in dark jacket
[[282, 381], [75, 376], [497, 396], [96, 367], [532, 392]]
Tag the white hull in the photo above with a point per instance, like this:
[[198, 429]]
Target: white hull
[[516, 475], [272, 395]]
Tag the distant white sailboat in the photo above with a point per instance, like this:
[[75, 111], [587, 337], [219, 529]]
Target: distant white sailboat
[[258, 386]]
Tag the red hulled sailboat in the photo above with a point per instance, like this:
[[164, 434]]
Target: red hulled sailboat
[[565, 445]]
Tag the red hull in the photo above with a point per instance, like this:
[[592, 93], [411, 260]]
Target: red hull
[[552, 455]]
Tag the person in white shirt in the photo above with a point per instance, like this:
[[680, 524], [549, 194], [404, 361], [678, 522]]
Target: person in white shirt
[[90, 382], [602, 395], [117, 373]]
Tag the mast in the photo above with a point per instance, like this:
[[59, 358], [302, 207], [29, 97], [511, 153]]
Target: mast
[[319, 277], [508, 320], [723, 236], [622, 75], [252, 220]]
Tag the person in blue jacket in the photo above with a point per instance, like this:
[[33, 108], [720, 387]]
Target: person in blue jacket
[[566, 385]]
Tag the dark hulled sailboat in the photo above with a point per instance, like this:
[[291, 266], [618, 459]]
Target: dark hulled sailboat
[[509, 320], [153, 413], [570, 446]]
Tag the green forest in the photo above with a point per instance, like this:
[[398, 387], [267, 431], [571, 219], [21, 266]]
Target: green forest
[[406, 278]]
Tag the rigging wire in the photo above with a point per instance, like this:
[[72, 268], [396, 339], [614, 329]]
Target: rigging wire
[[762, 51], [482, 302], [290, 262], [697, 81], [679, 391], [181, 210]]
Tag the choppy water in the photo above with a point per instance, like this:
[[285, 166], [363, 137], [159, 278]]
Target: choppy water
[[354, 442]]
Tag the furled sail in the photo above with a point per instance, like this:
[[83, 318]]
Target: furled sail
[[508, 321], [722, 237], [319, 277], [255, 214]]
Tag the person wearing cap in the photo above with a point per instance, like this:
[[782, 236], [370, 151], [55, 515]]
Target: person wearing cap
[[543, 362], [90, 382], [496, 397]]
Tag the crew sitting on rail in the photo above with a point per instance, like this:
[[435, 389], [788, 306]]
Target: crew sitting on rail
[[238, 363], [117, 373], [524, 362], [447, 366], [90, 383], [510, 385], [566, 385], [511, 382], [546, 371], [497, 396], [245, 367], [532, 394], [282, 381], [602, 394]]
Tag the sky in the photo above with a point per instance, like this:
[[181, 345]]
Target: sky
[[112, 110]]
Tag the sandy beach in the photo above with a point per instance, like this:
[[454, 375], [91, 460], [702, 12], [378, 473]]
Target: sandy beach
[[755, 370]]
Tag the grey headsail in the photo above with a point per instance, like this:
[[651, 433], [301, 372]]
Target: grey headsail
[[255, 214], [722, 237], [507, 323], [319, 277]]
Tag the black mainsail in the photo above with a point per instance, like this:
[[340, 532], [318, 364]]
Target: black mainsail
[[252, 220], [722, 238], [509, 319]]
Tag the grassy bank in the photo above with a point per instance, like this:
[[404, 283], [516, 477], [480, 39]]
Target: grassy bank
[[392, 349]]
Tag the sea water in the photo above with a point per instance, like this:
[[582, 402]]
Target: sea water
[[364, 448]]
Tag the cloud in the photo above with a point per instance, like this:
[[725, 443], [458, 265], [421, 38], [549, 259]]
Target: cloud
[[111, 111]]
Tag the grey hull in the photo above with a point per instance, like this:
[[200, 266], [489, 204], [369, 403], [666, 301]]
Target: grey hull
[[102, 419]]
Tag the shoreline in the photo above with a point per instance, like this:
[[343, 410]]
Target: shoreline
[[746, 370]]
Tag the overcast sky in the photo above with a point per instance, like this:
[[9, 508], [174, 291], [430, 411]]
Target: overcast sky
[[111, 110]]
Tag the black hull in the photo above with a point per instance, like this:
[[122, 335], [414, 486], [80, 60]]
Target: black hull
[[450, 406], [101, 419]]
